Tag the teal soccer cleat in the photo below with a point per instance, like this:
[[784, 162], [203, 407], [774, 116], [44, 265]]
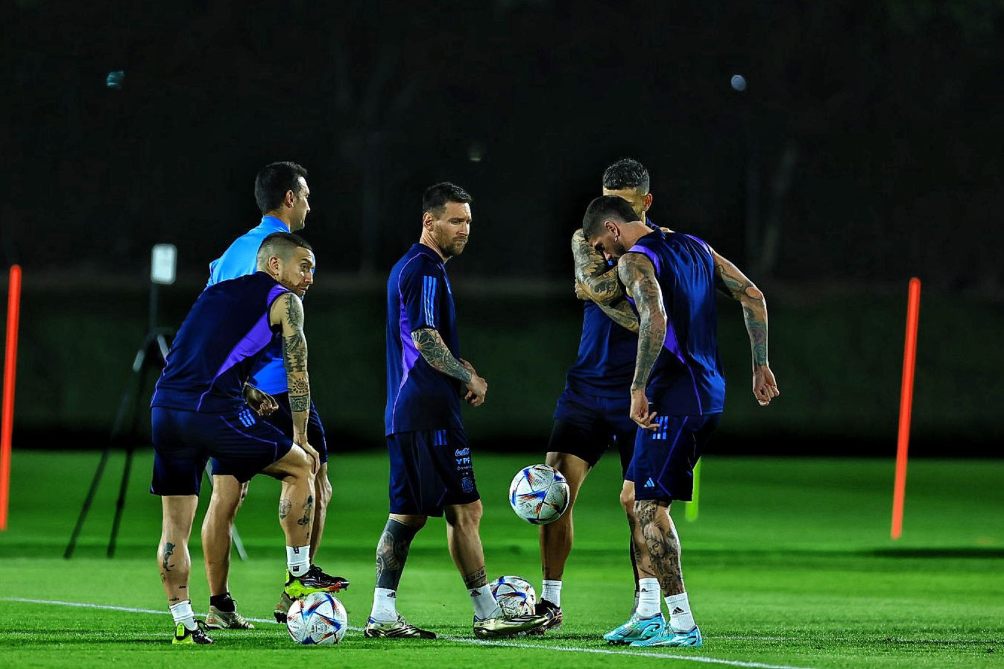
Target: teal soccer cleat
[[636, 629], [674, 639]]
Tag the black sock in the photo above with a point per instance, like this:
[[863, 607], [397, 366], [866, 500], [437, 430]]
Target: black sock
[[223, 602]]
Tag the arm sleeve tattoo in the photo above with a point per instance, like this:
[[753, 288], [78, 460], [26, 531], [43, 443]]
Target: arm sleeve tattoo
[[591, 271], [294, 357], [622, 314], [432, 347], [638, 276], [734, 283]]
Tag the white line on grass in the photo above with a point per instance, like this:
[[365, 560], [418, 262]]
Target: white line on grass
[[474, 642]]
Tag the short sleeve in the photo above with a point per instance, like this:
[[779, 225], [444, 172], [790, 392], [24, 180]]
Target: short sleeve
[[420, 296], [240, 259]]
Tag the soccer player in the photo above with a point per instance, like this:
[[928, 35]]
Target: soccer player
[[592, 412], [431, 472], [282, 195], [198, 410], [677, 391]]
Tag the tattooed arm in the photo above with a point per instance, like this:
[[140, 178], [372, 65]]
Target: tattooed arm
[[432, 347], [734, 283], [591, 271], [622, 314], [599, 283], [638, 275], [287, 311]]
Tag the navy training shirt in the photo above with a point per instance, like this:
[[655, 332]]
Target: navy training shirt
[[218, 346], [607, 352], [240, 259], [687, 375], [419, 296]]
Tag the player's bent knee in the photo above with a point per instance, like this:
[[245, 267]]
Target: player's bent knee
[[572, 467], [628, 502], [628, 498], [464, 516], [414, 522], [225, 499], [296, 465]]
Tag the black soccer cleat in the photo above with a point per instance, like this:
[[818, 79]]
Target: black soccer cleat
[[186, 637], [313, 580], [550, 611]]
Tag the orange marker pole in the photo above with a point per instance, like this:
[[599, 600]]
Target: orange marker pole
[[9, 373], [905, 406]]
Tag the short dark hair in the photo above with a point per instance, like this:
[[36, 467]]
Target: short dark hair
[[273, 181], [604, 208], [626, 173], [280, 244], [435, 197]]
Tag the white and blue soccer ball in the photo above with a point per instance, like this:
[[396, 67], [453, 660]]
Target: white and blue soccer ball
[[318, 619], [539, 494], [515, 595]]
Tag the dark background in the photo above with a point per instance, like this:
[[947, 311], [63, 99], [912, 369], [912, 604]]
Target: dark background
[[866, 149]]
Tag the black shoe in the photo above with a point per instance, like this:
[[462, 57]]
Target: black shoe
[[553, 614], [313, 580], [185, 637]]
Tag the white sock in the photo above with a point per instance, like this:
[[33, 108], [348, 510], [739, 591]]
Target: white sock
[[484, 602], [182, 613], [298, 559], [634, 607], [648, 597], [384, 605], [551, 591], [680, 617]]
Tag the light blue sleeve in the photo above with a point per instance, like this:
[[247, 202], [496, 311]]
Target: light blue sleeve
[[237, 261]]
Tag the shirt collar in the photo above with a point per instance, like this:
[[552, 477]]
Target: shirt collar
[[273, 224], [422, 248]]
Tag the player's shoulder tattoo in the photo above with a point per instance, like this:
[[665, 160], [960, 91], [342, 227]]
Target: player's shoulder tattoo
[[633, 267], [294, 310]]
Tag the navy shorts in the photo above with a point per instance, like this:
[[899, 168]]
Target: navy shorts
[[585, 425], [282, 419], [664, 459], [430, 470], [183, 441]]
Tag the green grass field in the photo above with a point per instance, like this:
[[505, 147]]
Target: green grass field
[[788, 565]]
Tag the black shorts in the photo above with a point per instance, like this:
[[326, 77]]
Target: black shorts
[[184, 440], [282, 419], [585, 425], [664, 459], [430, 470]]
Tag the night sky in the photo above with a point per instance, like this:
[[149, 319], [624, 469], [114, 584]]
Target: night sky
[[866, 147]]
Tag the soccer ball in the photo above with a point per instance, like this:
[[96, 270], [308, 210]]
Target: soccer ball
[[317, 620], [515, 595], [538, 494]]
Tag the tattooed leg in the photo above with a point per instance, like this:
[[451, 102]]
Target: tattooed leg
[[296, 501], [476, 579], [296, 512], [392, 551], [463, 537], [173, 560], [462, 534], [660, 544]]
